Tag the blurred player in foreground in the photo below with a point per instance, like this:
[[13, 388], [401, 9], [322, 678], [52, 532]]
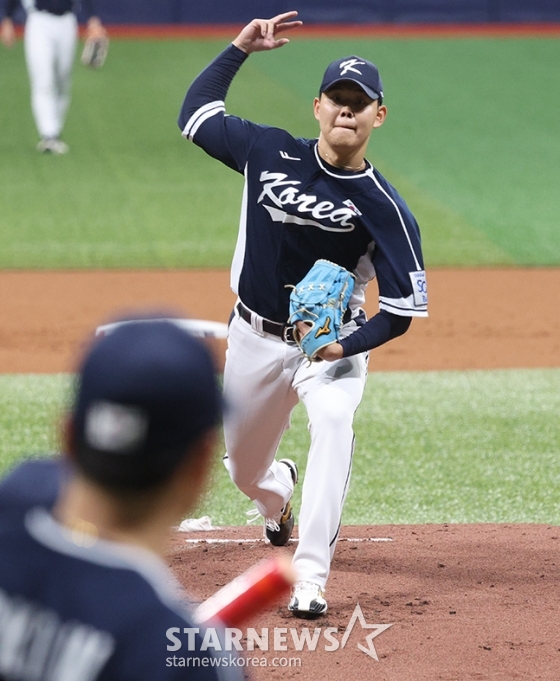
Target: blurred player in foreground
[[50, 38], [84, 590], [304, 200]]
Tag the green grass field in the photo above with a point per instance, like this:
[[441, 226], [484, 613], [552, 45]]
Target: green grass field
[[432, 447], [471, 142]]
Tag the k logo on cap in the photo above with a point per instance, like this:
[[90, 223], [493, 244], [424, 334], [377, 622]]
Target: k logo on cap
[[350, 65], [357, 70]]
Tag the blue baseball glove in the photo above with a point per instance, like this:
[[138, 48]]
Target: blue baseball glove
[[320, 301]]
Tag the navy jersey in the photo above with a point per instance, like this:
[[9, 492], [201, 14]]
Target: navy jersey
[[35, 482], [69, 610], [57, 7], [297, 208]]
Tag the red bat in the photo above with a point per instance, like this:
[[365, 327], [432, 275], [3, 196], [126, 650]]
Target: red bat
[[248, 594]]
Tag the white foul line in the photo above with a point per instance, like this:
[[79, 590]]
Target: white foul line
[[262, 539]]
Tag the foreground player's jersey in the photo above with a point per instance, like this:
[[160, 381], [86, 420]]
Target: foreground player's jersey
[[297, 209], [92, 610]]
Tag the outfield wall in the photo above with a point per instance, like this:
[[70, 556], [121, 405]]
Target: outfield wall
[[329, 11]]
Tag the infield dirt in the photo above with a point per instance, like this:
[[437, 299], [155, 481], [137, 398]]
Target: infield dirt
[[479, 318], [464, 602]]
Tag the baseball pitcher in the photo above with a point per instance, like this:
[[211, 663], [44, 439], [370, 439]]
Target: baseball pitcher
[[304, 201]]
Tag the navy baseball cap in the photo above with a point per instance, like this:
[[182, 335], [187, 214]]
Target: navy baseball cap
[[144, 393], [358, 70]]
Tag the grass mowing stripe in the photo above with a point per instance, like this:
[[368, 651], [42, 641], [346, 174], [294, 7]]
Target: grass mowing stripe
[[447, 239], [129, 178], [479, 446], [480, 176], [30, 409], [473, 446], [455, 132]]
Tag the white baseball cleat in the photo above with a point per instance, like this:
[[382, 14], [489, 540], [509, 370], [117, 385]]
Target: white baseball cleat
[[308, 600], [52, 145]]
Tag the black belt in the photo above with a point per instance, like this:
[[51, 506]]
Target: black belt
[[283, 331], [56, 13]]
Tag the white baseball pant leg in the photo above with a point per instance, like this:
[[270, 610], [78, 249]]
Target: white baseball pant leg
[[50, 47], [258, 388], [331, 393]]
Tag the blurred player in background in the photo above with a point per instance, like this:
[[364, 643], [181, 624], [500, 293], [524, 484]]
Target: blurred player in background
[[304, 200], [50, 38], [85, 592]]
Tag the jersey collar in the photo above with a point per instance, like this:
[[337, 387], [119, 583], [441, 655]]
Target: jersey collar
[[338, 172]]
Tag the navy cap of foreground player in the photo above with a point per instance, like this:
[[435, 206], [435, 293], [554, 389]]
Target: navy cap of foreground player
[[358, 70], [145, 392]]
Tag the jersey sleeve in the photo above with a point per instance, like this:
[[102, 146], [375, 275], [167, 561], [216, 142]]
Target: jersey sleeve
[[378, 330], [397, 257], [35, 482], [203, 118], [398, 264]]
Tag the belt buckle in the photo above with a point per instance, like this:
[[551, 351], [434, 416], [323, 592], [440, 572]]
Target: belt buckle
[[288, 335]]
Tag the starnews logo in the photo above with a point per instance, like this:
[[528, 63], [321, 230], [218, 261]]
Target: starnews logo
[[277, 639], [358, 615]]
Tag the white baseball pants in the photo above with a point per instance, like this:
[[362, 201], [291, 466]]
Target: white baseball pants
[[50, 47], [264, 378]]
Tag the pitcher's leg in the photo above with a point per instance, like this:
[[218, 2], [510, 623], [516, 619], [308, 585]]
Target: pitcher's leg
[[258, 389], [331, 396]]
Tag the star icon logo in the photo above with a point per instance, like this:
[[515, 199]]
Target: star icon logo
[[358, 615]]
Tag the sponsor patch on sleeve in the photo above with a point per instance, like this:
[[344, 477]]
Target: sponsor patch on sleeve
[[419, 288]]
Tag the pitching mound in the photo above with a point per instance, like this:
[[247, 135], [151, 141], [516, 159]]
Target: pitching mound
[[463, 601]]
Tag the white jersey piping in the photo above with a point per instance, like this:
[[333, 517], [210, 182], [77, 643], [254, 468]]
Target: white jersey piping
[[199, 116]]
